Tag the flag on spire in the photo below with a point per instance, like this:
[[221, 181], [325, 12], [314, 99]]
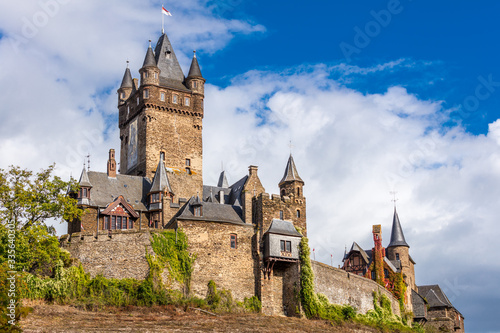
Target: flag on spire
[[164, 11]]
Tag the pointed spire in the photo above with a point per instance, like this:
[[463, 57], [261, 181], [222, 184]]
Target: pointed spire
[[84, 178], [171, 71], [149, 60], [223, 180], [194, 70], [127, 79], [291, 173], [160, 180], [397, 236]]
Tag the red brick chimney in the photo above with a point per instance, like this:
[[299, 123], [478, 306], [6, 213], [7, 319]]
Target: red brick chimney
[[112, 164]]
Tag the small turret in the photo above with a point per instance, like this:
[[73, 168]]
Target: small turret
[[126, 87], [291, 184], [85, 187], [150, 73], [195, 80]]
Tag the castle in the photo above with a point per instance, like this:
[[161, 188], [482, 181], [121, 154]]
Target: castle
[[245, 239]]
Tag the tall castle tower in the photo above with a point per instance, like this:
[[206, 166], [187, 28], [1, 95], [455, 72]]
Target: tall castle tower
[[399, 250], [162, 115]]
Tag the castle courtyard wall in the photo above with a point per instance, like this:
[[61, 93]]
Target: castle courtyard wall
[[341, 287]]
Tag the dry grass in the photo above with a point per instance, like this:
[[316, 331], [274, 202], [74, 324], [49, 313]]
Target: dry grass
[[59, 318]]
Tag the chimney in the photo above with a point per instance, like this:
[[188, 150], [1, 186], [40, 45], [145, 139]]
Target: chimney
[[252, 170], [111, 164], [221, 197]]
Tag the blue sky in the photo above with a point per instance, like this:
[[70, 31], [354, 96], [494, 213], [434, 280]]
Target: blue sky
[[414, 111]]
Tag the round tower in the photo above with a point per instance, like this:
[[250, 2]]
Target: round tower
[[196, 83]]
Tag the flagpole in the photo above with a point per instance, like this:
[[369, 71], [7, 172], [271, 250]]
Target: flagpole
[[162, 21]]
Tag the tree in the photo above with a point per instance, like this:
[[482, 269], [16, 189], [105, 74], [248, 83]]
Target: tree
[[28, 199]]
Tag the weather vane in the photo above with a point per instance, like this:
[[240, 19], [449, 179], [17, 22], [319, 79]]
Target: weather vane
[[394, 199]]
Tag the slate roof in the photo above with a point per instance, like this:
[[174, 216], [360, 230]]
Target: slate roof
[[211, 212], [223, 180], [236, 190], [149, 60], [84, 179], [434, 295], [282, 227], [171, 74], [105, 189], [291, 173], [127, 81], [397, 236], [419, 306], [194, 70], [160, 180], [391, 266]]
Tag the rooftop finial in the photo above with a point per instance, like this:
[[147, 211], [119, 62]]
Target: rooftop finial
[[194, 53], [394, 199], [88, 162], [150, 43], [290, 146], [127, 63]]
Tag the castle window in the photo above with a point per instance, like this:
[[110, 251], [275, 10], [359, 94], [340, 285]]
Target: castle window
[[145, 75], [162, 96], [155, 197], [298, 191], [188, 162], [106, 222], [195, 84], [374, 277], [298, 213], [128, 110], [122, 95], [130, 224], [156, 224], [234, 242], [113, 222], [397, 256], [146, 93], [283, 193], [186, 101], [156, 75], [118, 222], [188, 170], [386, 273], [138, 100], [175, 99], [286, 246], [197, 211], [281, 215]]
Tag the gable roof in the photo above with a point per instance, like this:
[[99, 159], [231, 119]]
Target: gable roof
[[356, 248], [434, 295], [211, 212], [134, 189], [120, 201], [419, 305], [282, 227], [291, 173]]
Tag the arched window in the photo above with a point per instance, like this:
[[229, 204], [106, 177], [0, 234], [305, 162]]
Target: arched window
[[298, 213]]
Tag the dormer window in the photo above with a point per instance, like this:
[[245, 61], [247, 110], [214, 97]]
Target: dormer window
[[286, 246], [186, 101], [175, 99], [84, 192], [197, 211], [146, 93], [155, 197]]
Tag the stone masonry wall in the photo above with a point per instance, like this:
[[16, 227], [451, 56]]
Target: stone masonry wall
[[229, 268], [121, 256], [341, 287]]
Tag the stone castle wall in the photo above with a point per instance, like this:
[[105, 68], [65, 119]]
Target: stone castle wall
[[341, 287]]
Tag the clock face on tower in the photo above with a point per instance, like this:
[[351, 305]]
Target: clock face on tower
[[132, 145]]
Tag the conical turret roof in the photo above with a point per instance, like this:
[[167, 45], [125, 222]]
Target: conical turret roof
[[397, 236], [291, 173], [223, 180], [160, 180], [127, 81], [194, 70], [149, 60], [84, 179]]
